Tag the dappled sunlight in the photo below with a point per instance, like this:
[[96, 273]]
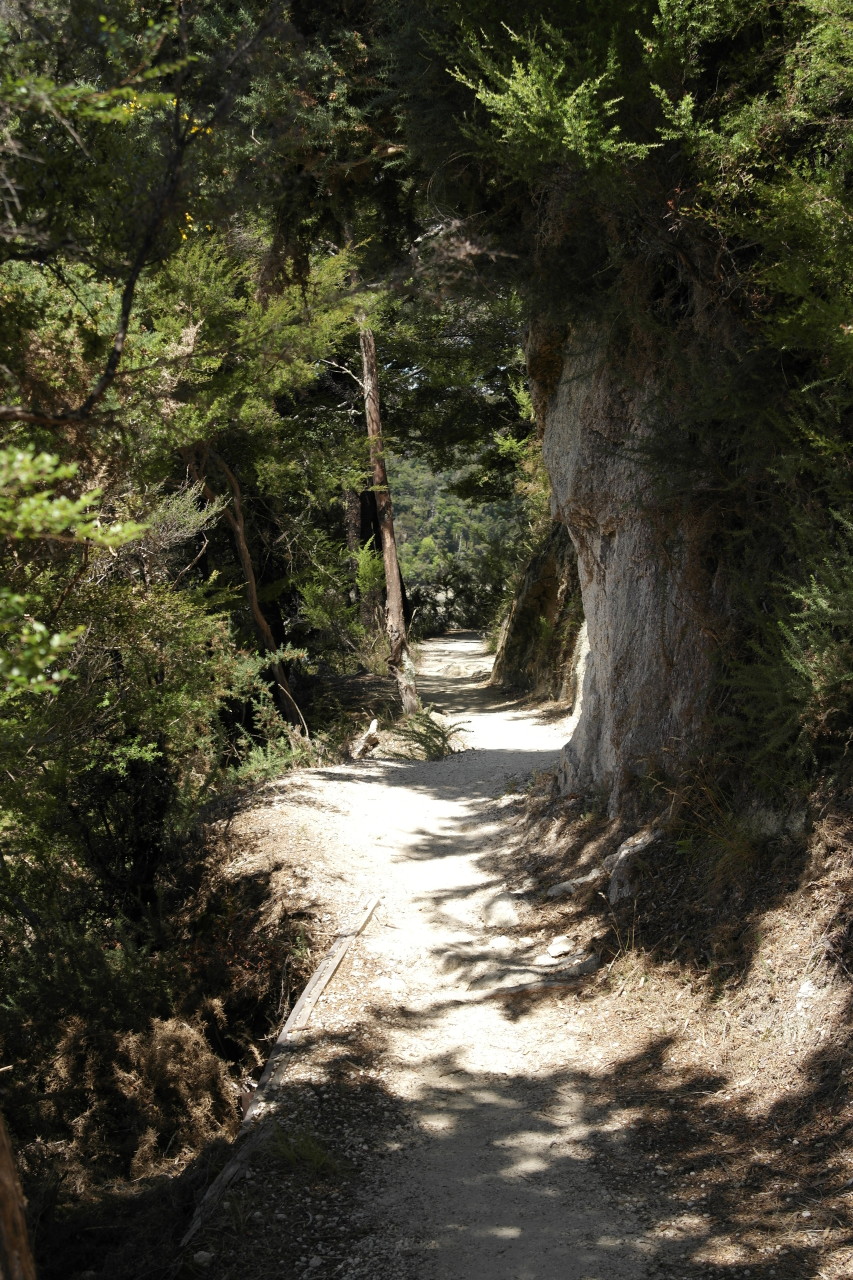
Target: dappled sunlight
[[529, 1127], [537, 1130]]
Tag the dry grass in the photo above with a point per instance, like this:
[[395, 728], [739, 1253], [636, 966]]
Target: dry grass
[[130, 1121], [725, 1000]]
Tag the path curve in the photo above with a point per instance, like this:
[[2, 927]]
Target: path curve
[[496, 1183]]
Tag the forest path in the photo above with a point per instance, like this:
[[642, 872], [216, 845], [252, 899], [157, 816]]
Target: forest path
[[487, 1176]]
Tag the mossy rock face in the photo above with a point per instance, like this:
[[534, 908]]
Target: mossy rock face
[[538, 637]]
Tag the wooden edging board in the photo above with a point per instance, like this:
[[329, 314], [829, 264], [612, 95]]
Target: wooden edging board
[[299, 1017]]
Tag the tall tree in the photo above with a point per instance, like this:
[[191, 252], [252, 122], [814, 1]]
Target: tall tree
[[669, 181], [399, 660]]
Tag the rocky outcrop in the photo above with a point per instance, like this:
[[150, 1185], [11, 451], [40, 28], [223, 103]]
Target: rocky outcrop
[[537, 642], [648, 587]]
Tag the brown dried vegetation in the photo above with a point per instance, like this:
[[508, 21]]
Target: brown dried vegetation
[[117, 1127], [724, 1001]]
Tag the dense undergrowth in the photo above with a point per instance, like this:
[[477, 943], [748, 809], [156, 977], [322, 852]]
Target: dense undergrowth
[[201, 209]]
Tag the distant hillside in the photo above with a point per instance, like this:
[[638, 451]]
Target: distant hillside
[[456, 558]]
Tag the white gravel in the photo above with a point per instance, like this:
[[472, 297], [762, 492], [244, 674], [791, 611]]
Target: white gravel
[[491, 1180]]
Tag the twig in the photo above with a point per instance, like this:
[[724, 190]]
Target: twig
[[192, 564], [341, 368]]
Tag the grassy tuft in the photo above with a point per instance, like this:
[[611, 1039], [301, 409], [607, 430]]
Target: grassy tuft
[[426, 735]]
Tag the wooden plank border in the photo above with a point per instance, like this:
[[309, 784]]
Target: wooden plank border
[[304, 1007], [297, 1020]]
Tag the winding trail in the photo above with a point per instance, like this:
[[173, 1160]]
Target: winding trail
[[496, 1184]]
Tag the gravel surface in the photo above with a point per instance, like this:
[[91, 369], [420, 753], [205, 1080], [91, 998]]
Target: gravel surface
[[427, 1124]]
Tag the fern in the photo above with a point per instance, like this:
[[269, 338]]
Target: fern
[[427, 738]]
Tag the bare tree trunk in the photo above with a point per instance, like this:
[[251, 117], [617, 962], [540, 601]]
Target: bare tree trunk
[[234, 515], [353, 522], [399, 662], [16, 1260]]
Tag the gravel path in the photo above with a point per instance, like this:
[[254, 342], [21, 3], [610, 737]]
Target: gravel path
[[471, 1158]]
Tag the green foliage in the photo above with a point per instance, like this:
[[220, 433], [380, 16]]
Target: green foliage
[[545, 109], [818, 647], [303, 1153], [369, 571], [455, 557], [451, 375], [426, 735], [188, 203], [29, 649], [226, 351], [719, 245]]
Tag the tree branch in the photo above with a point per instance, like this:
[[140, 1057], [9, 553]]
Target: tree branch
[[182, 138], [236, 521]]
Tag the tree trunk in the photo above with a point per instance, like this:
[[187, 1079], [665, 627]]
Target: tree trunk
[[399, 662], [651, 599], [16, 1261], [234, 515]]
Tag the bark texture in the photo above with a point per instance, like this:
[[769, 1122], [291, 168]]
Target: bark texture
[[650, 596], [399, 662], [537, 642], [16, 1262]]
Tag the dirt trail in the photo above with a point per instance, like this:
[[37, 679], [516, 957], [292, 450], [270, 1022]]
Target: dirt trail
[[492, 1178]]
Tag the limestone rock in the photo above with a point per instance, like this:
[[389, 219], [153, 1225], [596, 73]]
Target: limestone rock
[[560, 946], [530, 655]]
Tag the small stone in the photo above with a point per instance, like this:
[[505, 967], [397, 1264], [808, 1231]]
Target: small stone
[[315, 1263], [500, 911], [566, 888], [560, 946], [806, 1213], [562, 890], [502, 943], [202, 1258], [545, 959]]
